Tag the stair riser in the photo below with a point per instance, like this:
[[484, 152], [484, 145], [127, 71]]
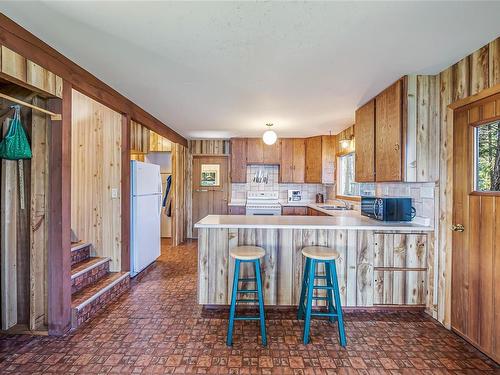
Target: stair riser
[[93, 308], [80, 255], [89, 277]]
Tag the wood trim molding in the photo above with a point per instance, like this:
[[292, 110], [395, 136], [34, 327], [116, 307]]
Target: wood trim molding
[[59, 249], [125, 193], [476, 97], [23, 42]]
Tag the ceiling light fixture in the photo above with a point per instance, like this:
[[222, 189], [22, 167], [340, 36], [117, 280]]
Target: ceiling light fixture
[[269, 137]]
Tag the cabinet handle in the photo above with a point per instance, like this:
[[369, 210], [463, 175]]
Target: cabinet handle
[[396, 147], [457, 228]]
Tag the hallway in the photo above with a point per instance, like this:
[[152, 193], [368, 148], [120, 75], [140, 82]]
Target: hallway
[[158, 328]]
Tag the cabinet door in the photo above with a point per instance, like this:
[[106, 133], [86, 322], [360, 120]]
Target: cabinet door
[[299, 160], [236, 210], [365, 143], [300, 211], [287, 211], [238, 160], [328, 156], [287, 160], [255, 151], [313, 160], [388, 134], [271, 153]]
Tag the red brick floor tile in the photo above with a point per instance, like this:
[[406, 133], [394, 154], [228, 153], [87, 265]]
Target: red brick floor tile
[[158, 328]]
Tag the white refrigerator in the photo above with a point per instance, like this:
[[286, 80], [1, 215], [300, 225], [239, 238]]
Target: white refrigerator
[[146, 214]]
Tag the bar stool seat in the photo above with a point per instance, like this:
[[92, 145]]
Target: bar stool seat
[[247, 252], [252, 255], [320, 253], [315, 255]]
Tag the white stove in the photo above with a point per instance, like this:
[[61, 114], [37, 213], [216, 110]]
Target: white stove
[[264, 203]]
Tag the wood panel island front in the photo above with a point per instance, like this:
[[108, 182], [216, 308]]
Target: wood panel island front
[[381, 264]]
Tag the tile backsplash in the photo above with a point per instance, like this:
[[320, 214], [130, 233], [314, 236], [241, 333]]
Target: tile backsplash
[[265, 178], [423, 196]]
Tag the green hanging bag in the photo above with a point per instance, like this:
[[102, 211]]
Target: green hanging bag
[[15, 145]]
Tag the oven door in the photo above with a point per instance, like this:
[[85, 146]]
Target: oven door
[[253, 211]]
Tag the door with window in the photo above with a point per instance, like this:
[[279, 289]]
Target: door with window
[[475, 293], [210, 187]]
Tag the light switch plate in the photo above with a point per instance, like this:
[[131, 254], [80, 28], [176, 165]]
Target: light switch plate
[[114, 193]]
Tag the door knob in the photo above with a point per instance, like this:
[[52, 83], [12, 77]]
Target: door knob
[[457, 228]]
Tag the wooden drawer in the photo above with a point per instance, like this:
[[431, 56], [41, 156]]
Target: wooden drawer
[[236, 210], [296, 211], [313, 212]]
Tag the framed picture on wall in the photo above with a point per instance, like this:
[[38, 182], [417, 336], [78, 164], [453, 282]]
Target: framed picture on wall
[[210, 175]]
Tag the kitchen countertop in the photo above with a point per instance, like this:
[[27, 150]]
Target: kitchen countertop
[[353, 220]]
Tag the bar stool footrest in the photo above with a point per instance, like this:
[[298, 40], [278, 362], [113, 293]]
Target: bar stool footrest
[[247, 279], [247, 300], [247, 291]]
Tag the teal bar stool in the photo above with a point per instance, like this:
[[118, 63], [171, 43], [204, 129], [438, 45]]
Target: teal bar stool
[[247, 254], [315, 255]]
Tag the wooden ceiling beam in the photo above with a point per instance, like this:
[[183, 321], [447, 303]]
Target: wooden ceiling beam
[[28, 45]]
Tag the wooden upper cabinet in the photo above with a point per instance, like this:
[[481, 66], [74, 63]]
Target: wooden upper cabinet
[[365, 142], [255, 151], [260, 153], [299, 160], [328, 156], [389, 134], [286, 165], [238, 160], [292, 163], [272, 153], [313, 160]]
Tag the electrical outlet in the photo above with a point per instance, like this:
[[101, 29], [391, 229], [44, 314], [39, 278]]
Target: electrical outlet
[[114, 193]]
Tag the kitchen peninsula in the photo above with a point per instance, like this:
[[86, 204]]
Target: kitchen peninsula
[[381, 264]]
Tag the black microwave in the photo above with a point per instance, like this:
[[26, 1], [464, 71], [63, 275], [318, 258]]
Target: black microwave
[[387, 209]]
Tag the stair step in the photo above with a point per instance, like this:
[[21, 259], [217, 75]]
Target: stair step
[[80, 251], [88, 302], [88, 272]]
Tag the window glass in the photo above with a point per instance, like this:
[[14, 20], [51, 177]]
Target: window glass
[[346, 184], [487, 157]]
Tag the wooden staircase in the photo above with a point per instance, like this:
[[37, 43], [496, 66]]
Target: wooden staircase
[[93, 286]]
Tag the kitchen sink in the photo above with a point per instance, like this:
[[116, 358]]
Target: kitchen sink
[[336, 208]]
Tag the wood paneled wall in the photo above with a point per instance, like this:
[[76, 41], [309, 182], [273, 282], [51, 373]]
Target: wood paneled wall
[[25, 71], [473, 73], [95, 171], [374, 269], [181, 181], [200, 147], [24, 230], [208, 146], [40, 146]]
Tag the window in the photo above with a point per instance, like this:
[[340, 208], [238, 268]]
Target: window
[[487, 157], [346, 185]]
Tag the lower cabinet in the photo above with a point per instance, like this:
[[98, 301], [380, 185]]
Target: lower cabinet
[[313, 212], [236, 210], [399, 269], [294, 211]]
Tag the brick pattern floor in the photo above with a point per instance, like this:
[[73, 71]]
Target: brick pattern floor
[[158, 328]]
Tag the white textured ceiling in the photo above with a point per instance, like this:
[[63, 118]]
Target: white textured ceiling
[[227, 68]]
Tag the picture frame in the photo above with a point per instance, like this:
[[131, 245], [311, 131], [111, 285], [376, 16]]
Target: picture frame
[[210, 175]]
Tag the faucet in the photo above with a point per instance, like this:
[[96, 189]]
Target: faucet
[[346, 205]]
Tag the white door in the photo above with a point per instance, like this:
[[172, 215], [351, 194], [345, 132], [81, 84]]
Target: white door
[[146, 230]]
